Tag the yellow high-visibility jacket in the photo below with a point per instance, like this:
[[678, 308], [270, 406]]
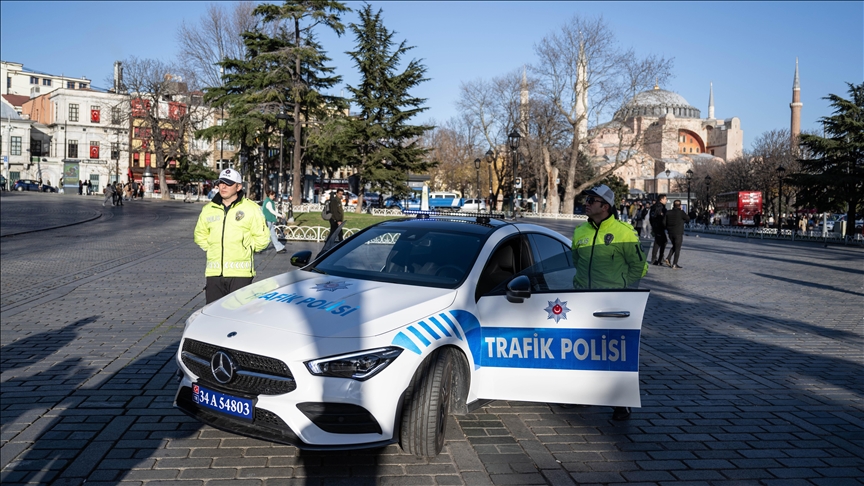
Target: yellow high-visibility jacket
[[607, 256], [231, 236]]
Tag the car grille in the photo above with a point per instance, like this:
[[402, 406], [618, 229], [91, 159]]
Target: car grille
[[255, 375]]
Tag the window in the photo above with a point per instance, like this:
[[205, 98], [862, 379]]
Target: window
[[35, 147], [115, 151], [14, 176], [115, 115], [553, 270], [147, 159], [82, 86], [94, 150], [34, 80], [95, 114], [94, 180], [8, 82], [72, 149], [70, 84], [16, 146], [46, 82], [73, 112], [136, 160], [712, 152]]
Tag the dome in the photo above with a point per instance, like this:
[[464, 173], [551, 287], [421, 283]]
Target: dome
[[658, 102]]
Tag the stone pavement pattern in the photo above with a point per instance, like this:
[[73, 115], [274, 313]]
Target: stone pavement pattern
[[751, 370]]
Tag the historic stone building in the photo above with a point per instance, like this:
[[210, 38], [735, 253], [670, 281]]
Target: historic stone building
[[659, 130]]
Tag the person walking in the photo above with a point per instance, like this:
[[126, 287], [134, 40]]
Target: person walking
[[676, 218], [638, 218], [80, 188], [109, 195], [230, 228], [271, 215], [607, 253], [658, 229], [337, 214], [118, 194]]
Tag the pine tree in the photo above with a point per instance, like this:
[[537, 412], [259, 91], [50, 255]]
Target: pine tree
[[385, 146], [832, 175]]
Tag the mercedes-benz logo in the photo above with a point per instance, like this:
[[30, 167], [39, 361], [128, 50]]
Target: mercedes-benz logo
[[222, 367]]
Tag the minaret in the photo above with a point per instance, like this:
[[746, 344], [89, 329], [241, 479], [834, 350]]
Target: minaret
[[711, 102], [523, 103], [795, 106], [582, 94]]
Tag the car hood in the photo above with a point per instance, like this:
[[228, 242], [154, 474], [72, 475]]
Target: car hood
[[326, 306]]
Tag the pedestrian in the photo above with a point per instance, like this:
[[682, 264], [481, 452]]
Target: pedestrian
[[89, 187], [625, 211], [231, 228], [271, 214], [118, 193], [638, 221], [140, 191], [676, 218], [802, 224], [109, 195], [128, 191], [337, 213], [80, 188], [658, 229], [757, 219], [607, 253], [187, 193]]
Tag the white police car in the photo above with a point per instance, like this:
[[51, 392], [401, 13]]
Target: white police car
[[379, 339]]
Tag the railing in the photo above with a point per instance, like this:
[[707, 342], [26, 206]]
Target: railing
[[309, 233], [773, 234]]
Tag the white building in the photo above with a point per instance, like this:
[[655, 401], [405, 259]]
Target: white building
[[18, 80]]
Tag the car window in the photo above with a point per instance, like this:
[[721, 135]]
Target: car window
[[506, 261], [554, 269], [412, 256]]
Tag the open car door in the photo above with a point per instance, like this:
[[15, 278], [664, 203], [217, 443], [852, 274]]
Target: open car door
[[546, 342]]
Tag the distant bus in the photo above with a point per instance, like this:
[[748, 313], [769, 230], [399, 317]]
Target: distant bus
[[738, 208]]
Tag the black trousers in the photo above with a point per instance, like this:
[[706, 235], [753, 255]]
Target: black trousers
[[676, 240], [218, 287], [333, 226], [659, 244]]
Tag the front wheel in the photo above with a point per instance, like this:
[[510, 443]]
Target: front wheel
[[20, 189], [427, 404]]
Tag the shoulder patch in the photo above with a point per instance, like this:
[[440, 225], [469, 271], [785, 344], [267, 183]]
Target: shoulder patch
[[239, 215], [608, 238]]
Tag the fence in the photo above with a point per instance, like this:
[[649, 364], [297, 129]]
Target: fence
[[773, 234]]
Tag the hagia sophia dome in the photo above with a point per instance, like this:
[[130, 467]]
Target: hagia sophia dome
[[658, 102]]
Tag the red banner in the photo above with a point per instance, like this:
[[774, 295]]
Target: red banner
[[94, 116], [94, 151]]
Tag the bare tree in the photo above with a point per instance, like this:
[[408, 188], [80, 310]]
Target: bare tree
[[585, 75], [454, 146], [216, 36]]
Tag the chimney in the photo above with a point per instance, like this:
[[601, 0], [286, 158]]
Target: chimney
[[118, 76]]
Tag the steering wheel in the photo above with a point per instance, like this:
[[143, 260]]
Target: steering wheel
[[449, 271]]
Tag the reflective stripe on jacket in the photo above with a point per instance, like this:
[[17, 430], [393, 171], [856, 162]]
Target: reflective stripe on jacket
[[231, 236], [608, 256]]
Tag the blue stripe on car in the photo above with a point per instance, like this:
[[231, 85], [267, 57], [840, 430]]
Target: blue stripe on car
[[421, 337], [453, 326], [439, 326], [404, 341], [429, 330]]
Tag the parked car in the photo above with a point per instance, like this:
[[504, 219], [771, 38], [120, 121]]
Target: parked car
[[474, 205], [380, 338], [31, 185]]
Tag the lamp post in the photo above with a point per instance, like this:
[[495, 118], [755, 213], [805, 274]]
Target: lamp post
[[708, 195], [513, 142], [490, 155], [780, 171], [689, 179], [281, 116], [477, 169], [668, 181]]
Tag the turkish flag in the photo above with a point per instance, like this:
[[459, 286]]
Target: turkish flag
[[94, 116], [94, 151]]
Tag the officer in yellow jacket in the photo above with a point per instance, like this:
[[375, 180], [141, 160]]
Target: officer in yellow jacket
[[607, 253], [230, 229]]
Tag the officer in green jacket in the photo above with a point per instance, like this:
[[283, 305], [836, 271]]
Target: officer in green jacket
[[230, 229], [607, 253]]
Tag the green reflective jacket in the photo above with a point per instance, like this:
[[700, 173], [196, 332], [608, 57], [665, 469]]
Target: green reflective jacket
[[231, 236], [608, 256]]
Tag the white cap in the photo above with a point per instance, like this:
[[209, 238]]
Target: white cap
[[604, 193], [230, 176]]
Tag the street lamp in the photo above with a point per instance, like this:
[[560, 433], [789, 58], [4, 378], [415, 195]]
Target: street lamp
[[490, 156], [707, 195], [477, 169], [668, 181], [513, 142], [689, 179], [281, 116], [780, 171]]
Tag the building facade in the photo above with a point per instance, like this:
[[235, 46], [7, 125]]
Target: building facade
[[18, 80]]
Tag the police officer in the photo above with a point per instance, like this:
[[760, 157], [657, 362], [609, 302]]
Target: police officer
[[607, 253], [230, 229]]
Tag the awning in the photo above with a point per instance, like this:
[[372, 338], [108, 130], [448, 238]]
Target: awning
[[155, 179]]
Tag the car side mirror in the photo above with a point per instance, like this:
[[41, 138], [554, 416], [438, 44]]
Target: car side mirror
[[301, 258], [519, 289]]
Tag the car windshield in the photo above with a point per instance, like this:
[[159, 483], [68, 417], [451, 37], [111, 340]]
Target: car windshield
[[406, 254]]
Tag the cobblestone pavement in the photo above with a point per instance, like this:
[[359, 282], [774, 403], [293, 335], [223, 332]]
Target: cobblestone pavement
[[751, 370]]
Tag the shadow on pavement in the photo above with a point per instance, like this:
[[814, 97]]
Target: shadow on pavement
[[33, 349]]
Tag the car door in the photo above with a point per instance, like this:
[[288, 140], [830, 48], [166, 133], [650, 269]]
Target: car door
[[558, 345]]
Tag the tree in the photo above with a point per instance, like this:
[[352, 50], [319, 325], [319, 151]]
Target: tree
[[387, 146], [832, 175], [164, 113], [584, 74], [302, 60]]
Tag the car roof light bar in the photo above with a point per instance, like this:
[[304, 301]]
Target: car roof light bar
[[481, 217]]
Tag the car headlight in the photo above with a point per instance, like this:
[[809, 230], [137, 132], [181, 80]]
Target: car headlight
[[192, 317], [359, 366]]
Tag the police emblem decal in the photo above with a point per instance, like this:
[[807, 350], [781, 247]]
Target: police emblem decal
[[557, 310], [608, 238], [331, 286], [239, 216]]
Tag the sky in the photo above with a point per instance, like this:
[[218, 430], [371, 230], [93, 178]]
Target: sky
[[747, 49]]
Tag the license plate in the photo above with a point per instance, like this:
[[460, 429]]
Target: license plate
[[220, 402]]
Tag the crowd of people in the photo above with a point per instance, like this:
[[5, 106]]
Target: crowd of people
[[118, 192]]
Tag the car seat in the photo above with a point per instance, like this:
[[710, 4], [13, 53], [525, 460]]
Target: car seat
[[500, 268]]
